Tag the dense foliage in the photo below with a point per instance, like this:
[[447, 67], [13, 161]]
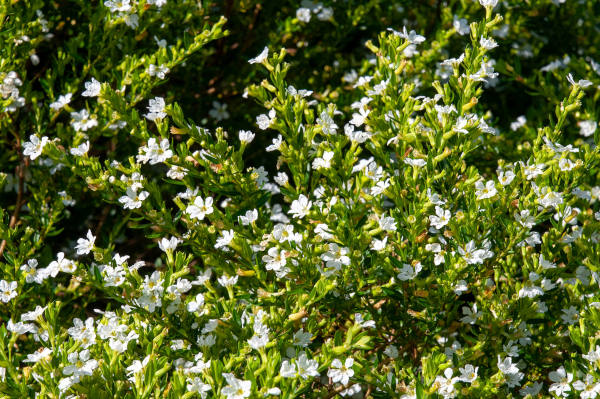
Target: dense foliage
[[244, 198]]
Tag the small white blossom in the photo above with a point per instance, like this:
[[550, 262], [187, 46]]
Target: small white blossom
[[261, 57], [300, 207], [236, 388], [200, 208], [8, 290], [81, 149], [61, 101], [85, 245], [92, 88], [341, 372], [33, 148], [156, 109]]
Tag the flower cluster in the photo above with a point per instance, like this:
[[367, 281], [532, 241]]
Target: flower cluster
[[407, 226]]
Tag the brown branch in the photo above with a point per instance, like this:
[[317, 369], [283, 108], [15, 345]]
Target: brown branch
[[20, 173], [339, 389]]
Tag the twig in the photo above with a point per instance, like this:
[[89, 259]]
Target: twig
[[20, 173], [339, 389]]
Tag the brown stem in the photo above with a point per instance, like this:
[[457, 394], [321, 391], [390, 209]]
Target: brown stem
[[20, 173], [338, 390]]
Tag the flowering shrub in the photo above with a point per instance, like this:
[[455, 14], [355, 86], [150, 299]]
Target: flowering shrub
[[180, 220]]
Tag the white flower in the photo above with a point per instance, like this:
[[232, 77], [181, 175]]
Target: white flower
[[593, 355], [525, 218], [37, 355], [391, 351], [200, 208], [170, 244], [264, 121], [470, 315], [302, 338], [461, 25], [136, 367], [387, 223], [335, 257], [441, 217], [219, 111], [196, 385], [81, 364], [92, 88], [357, 136], [409, 272], [506, 366], [158, 3], [158, 71], [8, 290], [561, 380], [468, 373], [566, 164], [157, 109], [587, 128], [379, 245], [415, 162], [276, 143], [488, 3], [196, 304], [177, 172], [303, 14], [83, 331], [261, 57], [487, 43], [85, 246], [61, 264], [154, 152], [246, 136], [287, 370], [133, 200], [237, 389], [275, 259], [248, 218], [327, 124], [360, 320], [446, 383], [34, 314], [533, 170], [519, 123], [300, 207], [341, 372], [227, 281], [570, 315], [258, 341], [505, 178], [359, 118], [81, 149], [485, 191], [411, 37], [61, 101], [82, 121], [533, 389], [588, 386], [550, 198], [33, 148], [581, 83], [471, 254], [460, 287], [323, 162], [530, 291], [225, 239]]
